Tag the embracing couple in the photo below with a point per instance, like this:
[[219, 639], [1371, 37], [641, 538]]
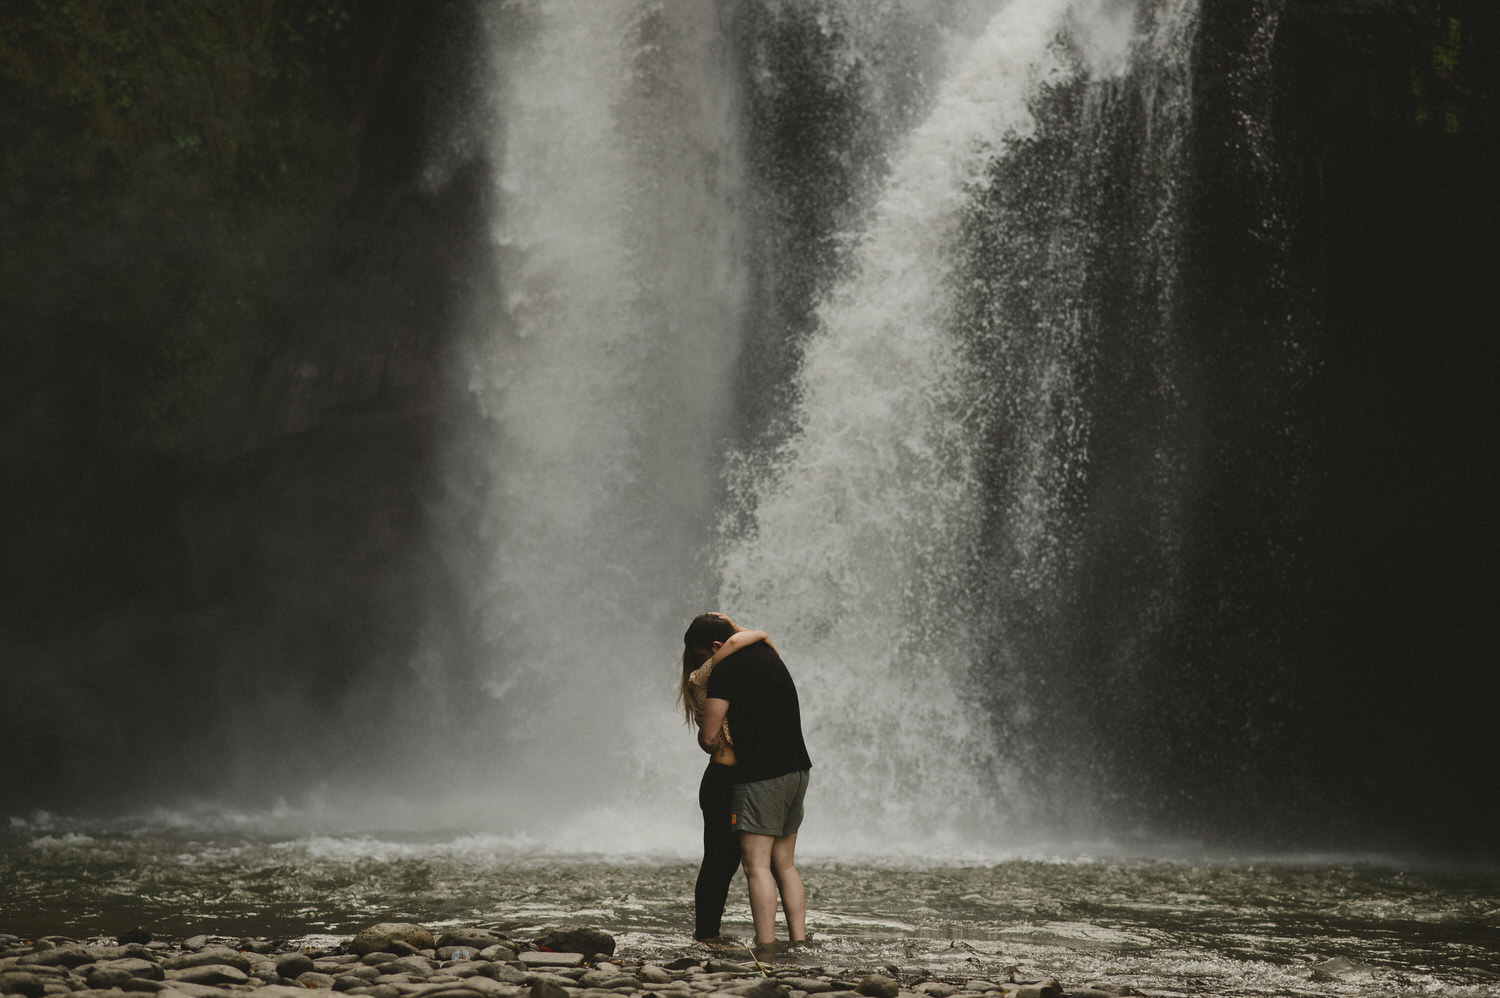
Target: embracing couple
[[739, 693]]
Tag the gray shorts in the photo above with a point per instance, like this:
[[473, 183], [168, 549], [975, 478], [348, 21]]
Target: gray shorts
[[769, 807]]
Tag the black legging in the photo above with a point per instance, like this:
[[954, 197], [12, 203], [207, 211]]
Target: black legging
[[721, 850]]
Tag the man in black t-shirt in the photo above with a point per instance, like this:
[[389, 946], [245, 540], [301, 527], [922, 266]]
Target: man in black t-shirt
[[753, 691]]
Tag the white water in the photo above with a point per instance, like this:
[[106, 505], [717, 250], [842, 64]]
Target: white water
[[862, 556], [608, 377]]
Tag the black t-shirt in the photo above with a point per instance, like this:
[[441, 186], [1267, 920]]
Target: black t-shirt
[[764, 718]]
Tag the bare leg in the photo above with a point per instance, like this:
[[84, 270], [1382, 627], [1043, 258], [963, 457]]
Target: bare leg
[[793, 896], [756, 851]]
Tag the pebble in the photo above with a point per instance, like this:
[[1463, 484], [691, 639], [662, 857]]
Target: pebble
[[405, 960]]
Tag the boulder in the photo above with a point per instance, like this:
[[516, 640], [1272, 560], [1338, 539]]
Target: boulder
[[578, 939], [652, 974], [294, 965], [115, 973], [19, 982], [316, 979], [412, 966], [209, 956], [546, 959], [212, 974], [383, 936], [65, 955]]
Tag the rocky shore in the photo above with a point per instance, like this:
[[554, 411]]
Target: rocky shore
[[405, 960]]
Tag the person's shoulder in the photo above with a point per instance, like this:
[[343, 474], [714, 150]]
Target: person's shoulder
[[757, 654]]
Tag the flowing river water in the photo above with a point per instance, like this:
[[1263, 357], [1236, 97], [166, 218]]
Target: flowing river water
[[1221, 925]]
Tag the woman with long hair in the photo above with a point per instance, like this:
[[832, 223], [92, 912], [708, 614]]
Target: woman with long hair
[[709, 639]]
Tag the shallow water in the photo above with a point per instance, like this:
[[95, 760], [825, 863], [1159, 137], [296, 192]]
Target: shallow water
[[1163, 926]]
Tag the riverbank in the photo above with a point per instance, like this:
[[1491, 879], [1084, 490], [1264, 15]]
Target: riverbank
[[405, 960]]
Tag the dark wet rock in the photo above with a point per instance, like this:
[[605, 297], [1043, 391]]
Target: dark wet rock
[[384, 935], [195, 942], [139, 934], [816, 985], [212, 974], [144, 986], [384, 991], [652, 974], [377, 958], [547, 989], [20, 982], [577, 939], [878, 986], [293, 965], [504, 952]]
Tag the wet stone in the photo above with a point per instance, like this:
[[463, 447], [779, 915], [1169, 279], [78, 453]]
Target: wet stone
[[544, 959], [210, 956], [502, 972], [294, 964], [209, 974], [278, 991], [389, 936], [19, 982], [471, 938], [316, 979], [415, 966]]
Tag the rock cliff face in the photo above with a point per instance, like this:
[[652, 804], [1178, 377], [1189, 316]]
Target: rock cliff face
[[232, 300]]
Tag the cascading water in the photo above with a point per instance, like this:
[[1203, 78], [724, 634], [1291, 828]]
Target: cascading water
[[900, 532], [607, 366], [872, 546]]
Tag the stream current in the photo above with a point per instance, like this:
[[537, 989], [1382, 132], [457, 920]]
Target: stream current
[[1222, 925]]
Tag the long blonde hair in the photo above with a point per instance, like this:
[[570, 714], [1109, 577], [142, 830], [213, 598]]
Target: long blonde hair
[[697, 648]]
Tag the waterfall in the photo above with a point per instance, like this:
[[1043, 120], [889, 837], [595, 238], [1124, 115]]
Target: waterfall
[[901, 527], [603, 374], [925, 504]]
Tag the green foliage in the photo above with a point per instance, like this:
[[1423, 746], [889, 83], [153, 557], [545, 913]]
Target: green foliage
[[1438, 83]]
